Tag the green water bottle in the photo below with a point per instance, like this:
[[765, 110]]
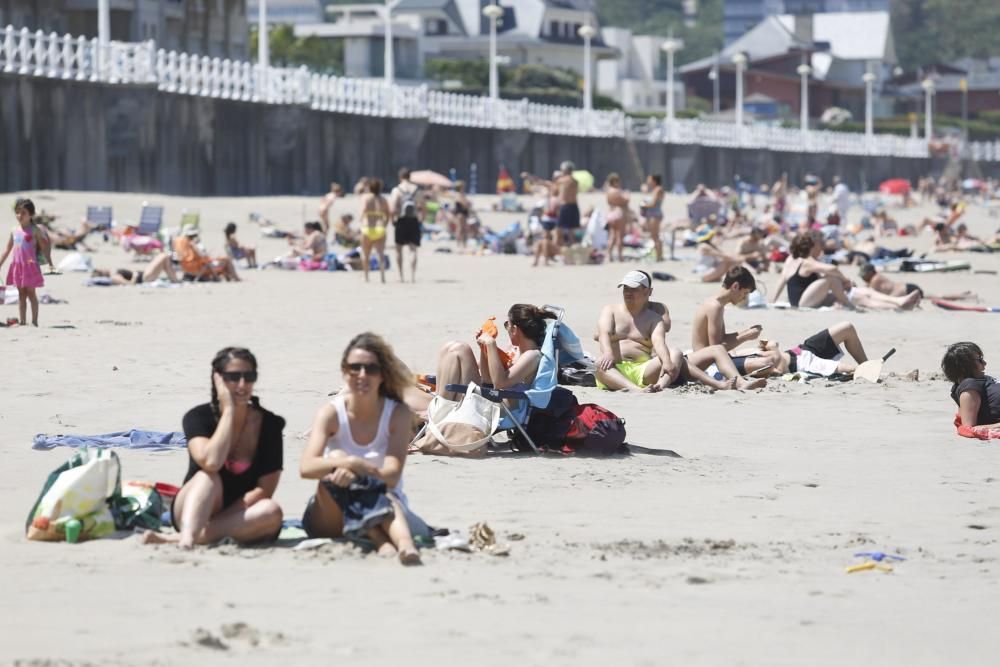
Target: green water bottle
[[73, 527]]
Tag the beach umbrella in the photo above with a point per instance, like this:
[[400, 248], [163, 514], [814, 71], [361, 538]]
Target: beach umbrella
[[584, 179], [430, 179], [895, 186]]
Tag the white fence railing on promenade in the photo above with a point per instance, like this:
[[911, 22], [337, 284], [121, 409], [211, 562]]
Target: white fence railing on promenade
[[76, 58]]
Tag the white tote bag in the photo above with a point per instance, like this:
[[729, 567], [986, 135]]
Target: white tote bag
[[465, 426]]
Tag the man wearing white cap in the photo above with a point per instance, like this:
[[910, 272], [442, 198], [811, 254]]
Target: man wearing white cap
[[633, 339]]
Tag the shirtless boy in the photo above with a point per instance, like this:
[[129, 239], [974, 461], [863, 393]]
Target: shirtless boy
[[709, 326], [634, 351], [886, 285]]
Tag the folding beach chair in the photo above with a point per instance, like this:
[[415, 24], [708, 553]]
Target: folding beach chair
[[561, 345], [190, 219], [145, 239], [99, 217]]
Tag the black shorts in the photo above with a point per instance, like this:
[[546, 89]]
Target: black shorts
[[548, 225], [821, 344], [569, 216], [740, 363], [408, 232], [910, 287]]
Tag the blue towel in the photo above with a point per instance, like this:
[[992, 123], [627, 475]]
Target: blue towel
[[134, 439]]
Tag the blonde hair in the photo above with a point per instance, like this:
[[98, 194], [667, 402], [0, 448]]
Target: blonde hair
[[396, 377]]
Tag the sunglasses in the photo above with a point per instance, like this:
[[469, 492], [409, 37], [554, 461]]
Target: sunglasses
[[369, 369], [235, 376]]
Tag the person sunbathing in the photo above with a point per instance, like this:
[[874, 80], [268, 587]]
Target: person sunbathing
[[197, 266], [357, 451], [327, 202], [64, 239], [237, 250], [635, 354], [862, 296], [343, 234], [235, 452], [709, 327], [820, 354], [976, 394], [886, 285], [812, 283], [162, 263], [712, 262], [312, 246]]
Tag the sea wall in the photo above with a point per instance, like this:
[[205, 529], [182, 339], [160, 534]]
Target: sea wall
[[57, 134]]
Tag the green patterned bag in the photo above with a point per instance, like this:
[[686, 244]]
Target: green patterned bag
[[78, 489]]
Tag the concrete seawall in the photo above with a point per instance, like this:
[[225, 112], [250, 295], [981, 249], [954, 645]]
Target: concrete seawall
[[84, 136]]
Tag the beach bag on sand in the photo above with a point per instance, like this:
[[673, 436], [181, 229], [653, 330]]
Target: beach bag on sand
[[138, 506], [78, 489], [461, 427], [596, 431], [548, 427]]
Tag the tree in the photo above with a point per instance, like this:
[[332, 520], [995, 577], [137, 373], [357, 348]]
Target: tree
[[934, 31], [325, 56]]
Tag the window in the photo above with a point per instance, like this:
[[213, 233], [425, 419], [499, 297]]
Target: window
[[576, 30], [553, 28], [436, 27]]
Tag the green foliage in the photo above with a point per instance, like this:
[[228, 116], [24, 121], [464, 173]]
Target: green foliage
[[286, 50], [472, 73], [934, 31], [981, 129], [660, 17]]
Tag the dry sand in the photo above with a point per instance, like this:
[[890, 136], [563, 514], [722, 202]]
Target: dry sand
[[733, 554]]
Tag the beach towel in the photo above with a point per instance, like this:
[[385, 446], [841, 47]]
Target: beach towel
[[364, 504], [979, 432], [133, 439]]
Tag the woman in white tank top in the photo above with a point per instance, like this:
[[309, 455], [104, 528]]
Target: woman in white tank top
[[363, 432]]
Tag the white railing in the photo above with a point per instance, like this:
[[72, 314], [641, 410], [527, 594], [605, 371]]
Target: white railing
[[65, 57]]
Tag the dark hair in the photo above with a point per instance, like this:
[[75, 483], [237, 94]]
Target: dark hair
[[375, 186], [395, 375], [530, 320], [866, 269], [222, 359], [314, 226], [802, 245], [656, 178], [613, 179], [26, 204], [960, 361], [230, 229], [741, 276], [404, 173]]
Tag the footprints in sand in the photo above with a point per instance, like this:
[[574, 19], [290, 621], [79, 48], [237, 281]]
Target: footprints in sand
[[234, 636], [688, 547]]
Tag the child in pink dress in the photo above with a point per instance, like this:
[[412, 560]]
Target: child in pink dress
[[24, 273]]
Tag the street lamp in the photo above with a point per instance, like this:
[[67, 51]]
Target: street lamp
[[869, 80], [804, 72], [263, 49], [587, 32], [670, 46], [928, 86], [388, 55], [740, 60], [493, 13]]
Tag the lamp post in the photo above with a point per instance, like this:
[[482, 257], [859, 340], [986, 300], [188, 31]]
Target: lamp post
[[804, 72], [928, 86], [493, 13], [740, 60], [388, 55], [263, 49], [869, 80], [587, 32], [670, 46]]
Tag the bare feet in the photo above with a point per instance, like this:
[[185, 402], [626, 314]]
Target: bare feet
[[743, 383], [409, 555], [152, 537], [910, 300], [386, 550]]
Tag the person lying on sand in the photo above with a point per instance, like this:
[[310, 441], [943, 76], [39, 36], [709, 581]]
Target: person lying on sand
[[886, 285], [976, 394], [709, 327], [821, 353], [359, 439], [235, 452], [634, 351], [162, 263]]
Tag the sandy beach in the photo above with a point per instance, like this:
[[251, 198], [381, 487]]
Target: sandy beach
[[732, 553]]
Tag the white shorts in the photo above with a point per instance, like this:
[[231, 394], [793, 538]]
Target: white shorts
[[807, 362]]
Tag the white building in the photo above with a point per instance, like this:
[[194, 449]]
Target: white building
[[638, 78], [291, 12], [530, 32]]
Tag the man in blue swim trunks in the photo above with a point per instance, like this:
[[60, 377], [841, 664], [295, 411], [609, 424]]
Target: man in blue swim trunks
[[569, 211]]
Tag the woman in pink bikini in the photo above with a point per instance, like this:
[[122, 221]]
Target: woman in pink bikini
[[235, 461], [618, 215], [26, 241]]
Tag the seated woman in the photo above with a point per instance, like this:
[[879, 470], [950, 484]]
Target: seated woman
[[976, 394], [197, 266], [525, 325], [312, 246], [234, 462], [162, 263], [812, 283], [360, 438], [238, 251], [713, 263]]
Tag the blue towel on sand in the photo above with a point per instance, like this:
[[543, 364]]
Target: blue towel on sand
[[134, 439]]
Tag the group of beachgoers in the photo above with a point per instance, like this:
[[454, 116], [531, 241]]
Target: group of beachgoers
[[360, 439]]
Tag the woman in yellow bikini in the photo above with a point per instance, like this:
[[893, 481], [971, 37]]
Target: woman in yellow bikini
[[374, 216]]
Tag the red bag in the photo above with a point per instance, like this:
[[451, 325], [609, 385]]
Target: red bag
[[596, 431]]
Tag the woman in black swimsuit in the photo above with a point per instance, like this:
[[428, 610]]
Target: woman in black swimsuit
[[812, 283], [234, 462], [461, 214]]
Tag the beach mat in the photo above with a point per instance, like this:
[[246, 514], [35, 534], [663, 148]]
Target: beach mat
[[133, 439], [951, 305], [930, 266]]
